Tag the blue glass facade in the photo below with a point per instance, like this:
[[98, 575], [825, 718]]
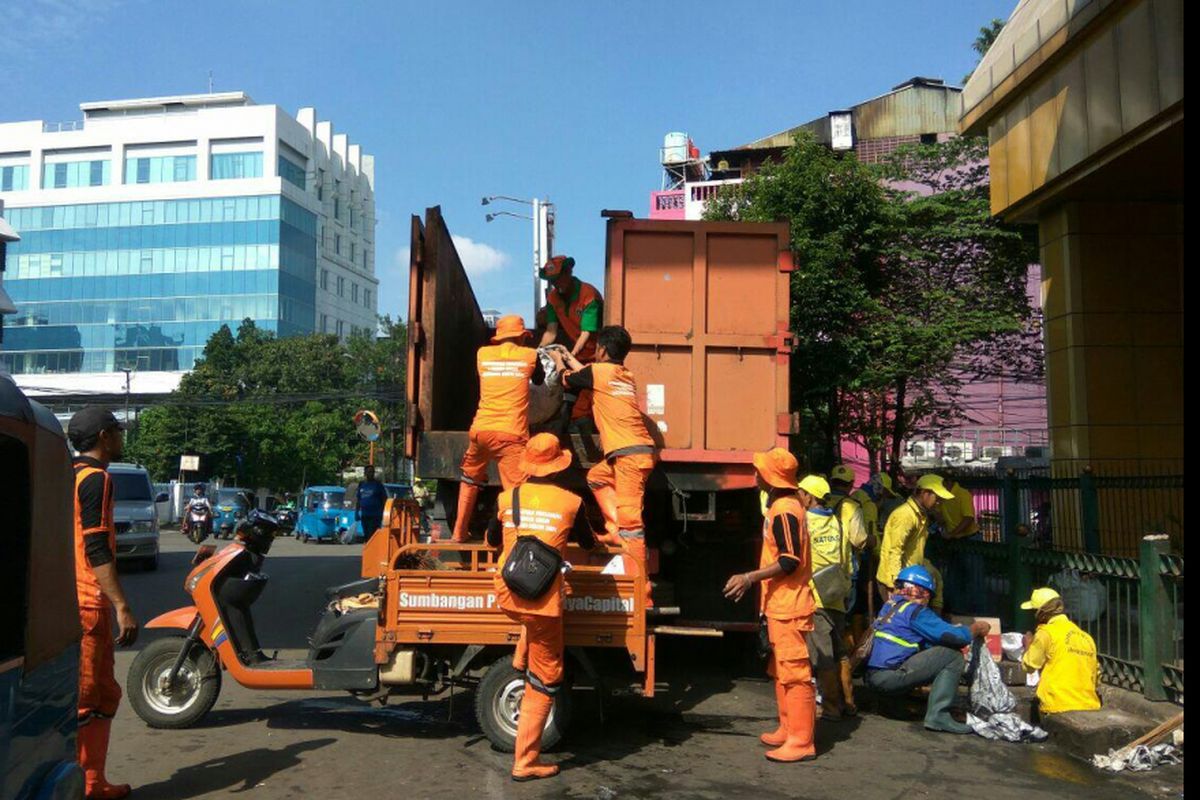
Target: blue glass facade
[[73, 174], [160, 169], [14, 178], [103, 286], [223, 166], [292, 172]]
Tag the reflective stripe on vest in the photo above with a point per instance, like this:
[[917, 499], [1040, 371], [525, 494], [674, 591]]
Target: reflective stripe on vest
[[896, 640]]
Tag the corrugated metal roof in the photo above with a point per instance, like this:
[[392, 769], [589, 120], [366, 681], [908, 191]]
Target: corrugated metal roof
[[919, 105]]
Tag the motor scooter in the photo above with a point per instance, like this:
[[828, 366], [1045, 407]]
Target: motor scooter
[[197, 521], [175, 680]]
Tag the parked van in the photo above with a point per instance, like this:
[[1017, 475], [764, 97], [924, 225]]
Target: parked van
[[135, 515]]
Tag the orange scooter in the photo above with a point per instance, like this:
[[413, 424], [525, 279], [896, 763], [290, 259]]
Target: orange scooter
[[175, 680]]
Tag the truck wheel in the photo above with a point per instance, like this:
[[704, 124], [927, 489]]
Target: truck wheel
[[498, 705], [195, 691]]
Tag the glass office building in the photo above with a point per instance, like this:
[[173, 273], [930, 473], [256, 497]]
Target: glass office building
[[143, 285], [155, 222]]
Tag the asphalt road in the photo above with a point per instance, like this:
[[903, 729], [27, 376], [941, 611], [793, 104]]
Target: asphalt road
[[697, 742]]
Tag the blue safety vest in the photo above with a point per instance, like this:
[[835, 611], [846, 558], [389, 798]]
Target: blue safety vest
[[895, 639]]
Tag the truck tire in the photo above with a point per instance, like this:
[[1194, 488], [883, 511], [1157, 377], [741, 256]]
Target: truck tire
[[199, 684], [498, 701]]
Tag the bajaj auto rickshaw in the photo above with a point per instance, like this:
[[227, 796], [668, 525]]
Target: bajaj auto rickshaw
[[320, 508], [231, 508], [39, 640]]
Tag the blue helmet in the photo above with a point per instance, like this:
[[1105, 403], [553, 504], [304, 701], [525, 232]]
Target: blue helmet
[[917, 576]]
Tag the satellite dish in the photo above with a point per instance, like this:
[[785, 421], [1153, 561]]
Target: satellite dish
[[367, 425]]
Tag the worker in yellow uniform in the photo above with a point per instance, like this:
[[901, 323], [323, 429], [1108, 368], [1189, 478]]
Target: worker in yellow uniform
[[959, 522], [906, 531], [501, 425], [1065, 654], [537, 518], [785, 571], [836, 533]]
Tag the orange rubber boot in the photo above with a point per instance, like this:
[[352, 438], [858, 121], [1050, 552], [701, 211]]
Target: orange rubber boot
[[92, 746], [535, 708], [521, 654], [468, 496], [606, 497], [801, 718], [778, 737]]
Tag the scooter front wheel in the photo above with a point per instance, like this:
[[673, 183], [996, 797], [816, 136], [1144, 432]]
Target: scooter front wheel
[[182, 703]]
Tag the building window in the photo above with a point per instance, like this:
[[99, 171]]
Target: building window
[[324, 323], [292, 173], [325, 279], [353, 292], [73, 174], [337, 243], [367, 298], [160, 169], [341, 327], [341, 287], [14, 178], [351, 252], [321, 185], [224, 166]]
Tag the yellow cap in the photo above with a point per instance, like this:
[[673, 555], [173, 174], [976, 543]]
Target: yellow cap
[[1040, 598], [815, 485], [935, 484], [841, 473]]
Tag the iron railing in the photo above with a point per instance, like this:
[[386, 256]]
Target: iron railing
[[1132, 607]]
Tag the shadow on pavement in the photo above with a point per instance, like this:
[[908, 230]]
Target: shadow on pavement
[[239, 772], [439, 719]]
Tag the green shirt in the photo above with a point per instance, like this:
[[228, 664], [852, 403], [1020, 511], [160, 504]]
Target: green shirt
[[590, 318]]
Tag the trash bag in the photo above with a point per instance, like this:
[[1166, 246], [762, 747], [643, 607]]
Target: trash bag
[[1139, 759], [1084, 597], [992, 705], [545, 400], [1013, 645]]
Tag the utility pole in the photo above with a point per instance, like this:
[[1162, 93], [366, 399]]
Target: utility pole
[[542, 217]]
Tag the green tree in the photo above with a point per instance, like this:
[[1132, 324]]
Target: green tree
[[264, 411], [905, 288], [983, 42]]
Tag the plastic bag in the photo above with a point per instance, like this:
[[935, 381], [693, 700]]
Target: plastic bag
[[545, 400], [1139, 759], [993, 704], [1013, 645], [1084, 597]]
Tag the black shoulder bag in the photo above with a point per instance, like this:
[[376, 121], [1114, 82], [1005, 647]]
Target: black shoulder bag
[[532, 565]]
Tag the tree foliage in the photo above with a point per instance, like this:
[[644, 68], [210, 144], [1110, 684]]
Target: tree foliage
[[906, 288], [984, 41], [264, 411]]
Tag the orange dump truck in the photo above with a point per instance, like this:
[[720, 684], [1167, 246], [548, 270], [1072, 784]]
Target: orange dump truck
[[707, 305]]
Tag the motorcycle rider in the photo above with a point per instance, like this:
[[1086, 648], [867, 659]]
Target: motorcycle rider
[[197, 505]]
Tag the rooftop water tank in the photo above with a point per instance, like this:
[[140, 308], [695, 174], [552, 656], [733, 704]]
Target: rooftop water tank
[[675, 148]]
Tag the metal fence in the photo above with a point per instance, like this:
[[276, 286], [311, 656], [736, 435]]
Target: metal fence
[[1132, 605]]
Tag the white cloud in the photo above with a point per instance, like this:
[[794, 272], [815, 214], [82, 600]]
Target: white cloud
[[477, 258], [35, 24]]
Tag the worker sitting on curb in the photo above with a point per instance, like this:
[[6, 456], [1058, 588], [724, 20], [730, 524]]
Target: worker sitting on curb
[[785, 570], [914, 646], [906, 530], [574, 310], [501, 425], [618, 481], [835, 531], [1065, 654], [534, 522]]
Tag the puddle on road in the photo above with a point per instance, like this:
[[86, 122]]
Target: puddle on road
[[397, 713], [1062, 768]]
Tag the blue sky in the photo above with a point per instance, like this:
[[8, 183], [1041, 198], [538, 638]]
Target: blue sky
[[456, 100]]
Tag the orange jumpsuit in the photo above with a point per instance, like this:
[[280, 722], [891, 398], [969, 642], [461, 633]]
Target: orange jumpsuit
[[501, 425], [569, 313], [95, 544]]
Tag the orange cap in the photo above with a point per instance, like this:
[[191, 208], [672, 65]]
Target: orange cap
[[511, 326], [777, 467], [544, 456]]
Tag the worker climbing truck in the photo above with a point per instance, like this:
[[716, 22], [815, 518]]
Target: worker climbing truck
[[707, 307]]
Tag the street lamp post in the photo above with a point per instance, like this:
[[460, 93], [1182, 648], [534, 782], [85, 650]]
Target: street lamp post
[[542, 218]]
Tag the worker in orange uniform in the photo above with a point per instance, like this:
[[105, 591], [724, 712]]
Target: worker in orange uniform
[[99, 439], [619, 480], [542, 510], [574, 310], [785, 571], [501, 425]]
